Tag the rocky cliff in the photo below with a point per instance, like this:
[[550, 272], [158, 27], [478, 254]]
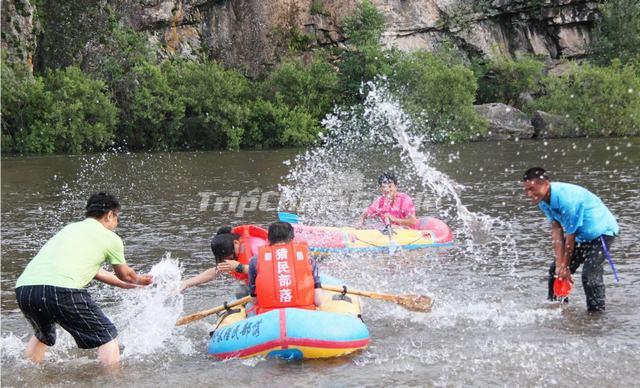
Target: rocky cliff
[[251, 34]]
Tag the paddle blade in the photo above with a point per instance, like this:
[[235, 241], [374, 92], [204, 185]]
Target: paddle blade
[[416, 302], [288, 217]]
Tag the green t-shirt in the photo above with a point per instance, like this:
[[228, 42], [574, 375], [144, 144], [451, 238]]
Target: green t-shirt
[[73, 256]]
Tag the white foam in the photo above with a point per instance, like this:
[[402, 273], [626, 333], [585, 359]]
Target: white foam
[[146, 317]]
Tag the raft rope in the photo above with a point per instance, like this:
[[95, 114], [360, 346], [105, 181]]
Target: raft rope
[[222, 316]]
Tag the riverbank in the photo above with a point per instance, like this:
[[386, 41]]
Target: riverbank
[[130, 99]]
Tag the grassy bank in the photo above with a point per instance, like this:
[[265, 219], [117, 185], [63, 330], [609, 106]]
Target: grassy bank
[[129, 98]]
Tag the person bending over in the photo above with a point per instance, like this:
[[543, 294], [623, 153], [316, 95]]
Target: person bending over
[[51, 289], [581, 227], [232, 249]]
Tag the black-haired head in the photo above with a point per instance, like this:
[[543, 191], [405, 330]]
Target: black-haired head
[[280, 232], [222, 244], [100, 204], [387, 177], [535, 173]]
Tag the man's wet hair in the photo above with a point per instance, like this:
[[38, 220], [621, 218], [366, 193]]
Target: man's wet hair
[[222, 244], [100, 204], [387, 177], [280, 232], [535, 173]]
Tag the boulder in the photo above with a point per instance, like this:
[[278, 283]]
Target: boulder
[[505, 122], [551, 126]]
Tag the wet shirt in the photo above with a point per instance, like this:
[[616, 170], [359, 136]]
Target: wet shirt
[[72, 258], [579, 211], [400, 207]]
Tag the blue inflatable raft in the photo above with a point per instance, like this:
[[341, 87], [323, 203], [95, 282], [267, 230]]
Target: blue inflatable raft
[[292, 333]]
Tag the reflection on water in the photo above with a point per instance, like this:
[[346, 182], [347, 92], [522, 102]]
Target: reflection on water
[[490, 324]]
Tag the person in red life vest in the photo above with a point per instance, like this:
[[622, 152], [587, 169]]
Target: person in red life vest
[[392, 207], [283, 274], [232, 249]]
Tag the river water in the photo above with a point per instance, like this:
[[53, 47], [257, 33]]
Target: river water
[[490, 324]]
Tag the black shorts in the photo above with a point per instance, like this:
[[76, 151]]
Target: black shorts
[[71, 308]]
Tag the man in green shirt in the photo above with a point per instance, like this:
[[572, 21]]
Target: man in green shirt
[[51, 289]]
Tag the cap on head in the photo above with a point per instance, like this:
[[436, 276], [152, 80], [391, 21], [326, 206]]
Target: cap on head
[[535, 173], [388, 177]]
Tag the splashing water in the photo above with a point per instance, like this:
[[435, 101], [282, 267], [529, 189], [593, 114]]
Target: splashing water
[[328, 183], [147, 316]]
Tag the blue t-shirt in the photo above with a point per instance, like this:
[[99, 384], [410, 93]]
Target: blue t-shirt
[[579, 211]]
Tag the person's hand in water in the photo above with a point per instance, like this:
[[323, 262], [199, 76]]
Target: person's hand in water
[[144, 280]]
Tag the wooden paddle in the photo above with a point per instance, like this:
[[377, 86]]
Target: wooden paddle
[[205, 313], [410, 301]]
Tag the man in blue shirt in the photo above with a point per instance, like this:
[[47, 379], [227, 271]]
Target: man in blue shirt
[[581, 227]]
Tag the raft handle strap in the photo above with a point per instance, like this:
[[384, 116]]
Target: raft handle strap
[[222, 316]]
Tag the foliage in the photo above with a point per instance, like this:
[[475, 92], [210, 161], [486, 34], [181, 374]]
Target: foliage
[[599, 100], [504, 79], [275, 124], [318, 8], [438, 96], [124, 49], [72, 30], [153, 117], [617, 33], [215, 108], [365, 58], [313, 87], [365, 26], [64, 112], [21, 95]]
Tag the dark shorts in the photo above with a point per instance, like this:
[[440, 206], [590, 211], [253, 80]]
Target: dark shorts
[[71, 308]]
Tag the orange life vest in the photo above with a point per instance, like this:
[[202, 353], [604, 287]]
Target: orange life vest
[[285, 277], [247, 234]]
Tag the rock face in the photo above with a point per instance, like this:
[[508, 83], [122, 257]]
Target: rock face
[[253, 33], [505, 122], [547, 125], [20, 28]]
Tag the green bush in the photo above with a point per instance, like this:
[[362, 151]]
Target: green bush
[[504, 79], [152, 119], [80, 115], [313, 88], [273, 124], [617, 33], [438, 96], [598, 100], [364, 59], [22, 95], [215, 104], [64, 112]]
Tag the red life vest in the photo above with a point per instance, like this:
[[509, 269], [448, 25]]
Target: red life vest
[[251, 237], [285, 277]]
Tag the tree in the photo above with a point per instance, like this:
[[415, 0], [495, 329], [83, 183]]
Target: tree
[[617, 33]]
